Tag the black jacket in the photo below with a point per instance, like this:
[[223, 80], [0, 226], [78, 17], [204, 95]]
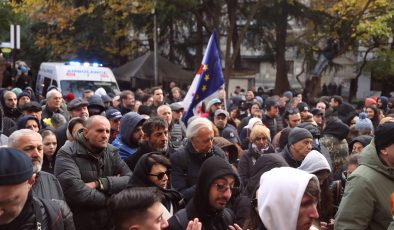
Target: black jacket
[[186, 163], [289, 158], [55, 215], [47, 187], [140, 178], [144, 148], [75, 166], [199, 207]]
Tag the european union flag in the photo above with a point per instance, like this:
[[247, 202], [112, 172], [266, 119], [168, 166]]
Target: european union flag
[[208, 80]]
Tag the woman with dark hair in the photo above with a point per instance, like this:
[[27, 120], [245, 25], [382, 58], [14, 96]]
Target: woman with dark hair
[[234, 117], [73, 126], [374, 115], [153, 170], [49, 144]]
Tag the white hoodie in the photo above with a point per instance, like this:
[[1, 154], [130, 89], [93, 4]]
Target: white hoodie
[[279, 197]]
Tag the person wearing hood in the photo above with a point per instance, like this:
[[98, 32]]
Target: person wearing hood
[[358, 143], [369, 187], [288, 202], [187, 161], [215, 184], [334, 139], [383, 103], [315, 163], [130, 134], [153, 170], [28, 122], [96, 105], [155, 139], [90, 170], [245, 205]]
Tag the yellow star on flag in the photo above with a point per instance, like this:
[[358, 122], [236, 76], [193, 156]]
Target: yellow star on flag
[[206, 78], [205, 68], [203, 88]]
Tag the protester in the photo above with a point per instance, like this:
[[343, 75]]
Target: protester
[[215, 184], [369, 187], [49, 144], [46, 185], [19, 209], [90, 170], [288, 202]]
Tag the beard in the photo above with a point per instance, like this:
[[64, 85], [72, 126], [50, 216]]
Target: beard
[[162, 150], [37, 165]]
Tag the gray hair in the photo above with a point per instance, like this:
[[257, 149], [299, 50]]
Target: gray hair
[[194, 127], [58, 120], [51, 93], [161, 107], [13, 139], [8, 92]]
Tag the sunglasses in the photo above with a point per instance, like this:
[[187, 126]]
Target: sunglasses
[[161, 175]]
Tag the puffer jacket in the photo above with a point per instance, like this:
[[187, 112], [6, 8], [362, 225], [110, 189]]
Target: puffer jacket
[[75, 166], [368, 191]]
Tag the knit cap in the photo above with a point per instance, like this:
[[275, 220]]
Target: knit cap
[[15, 166], [17, 91], [364, 123], [297, 134], [384, 135], [288, 94], [369, 101], [23, 94]]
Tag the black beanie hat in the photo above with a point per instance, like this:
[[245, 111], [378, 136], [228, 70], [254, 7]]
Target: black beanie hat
[[384, 135], [23, 94], [297, 134], [15, 166]]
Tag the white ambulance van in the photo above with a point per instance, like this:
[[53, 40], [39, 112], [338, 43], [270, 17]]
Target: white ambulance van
[[75, 77]]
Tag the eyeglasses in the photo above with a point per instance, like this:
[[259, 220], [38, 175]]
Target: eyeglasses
[[223, 188], [161, 175]]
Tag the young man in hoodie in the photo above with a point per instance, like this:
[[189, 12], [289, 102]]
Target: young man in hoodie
[[130, 134], [369, 187], [216, 183], [288, 202]]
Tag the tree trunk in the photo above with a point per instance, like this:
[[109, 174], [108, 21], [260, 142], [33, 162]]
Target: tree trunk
[[282, 82]]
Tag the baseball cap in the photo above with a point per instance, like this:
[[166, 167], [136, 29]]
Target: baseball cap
[[32, 106], [303, 107], [76, 103], [213, 101], [221, 111], [113, 114]]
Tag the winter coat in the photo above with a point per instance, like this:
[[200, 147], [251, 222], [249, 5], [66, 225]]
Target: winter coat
[[248, 159], [47, 187], [289, 158], [172, 200], [75, 166], [186, 163], [273, 124], [176, 134], [368, 191], [128, 123], [199, 207], [55, 215]]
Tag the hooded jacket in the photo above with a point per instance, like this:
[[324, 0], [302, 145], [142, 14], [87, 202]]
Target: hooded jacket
[[314, 162], [385, 102], [368, 191], [22, 120], [128, 123], [199, 207], [75, 166], [140, 178], [334, 139], [279, 197]]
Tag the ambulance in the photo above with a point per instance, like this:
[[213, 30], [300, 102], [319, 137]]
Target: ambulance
[[75, 77]]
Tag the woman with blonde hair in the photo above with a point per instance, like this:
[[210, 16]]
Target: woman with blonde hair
[[260, 143]]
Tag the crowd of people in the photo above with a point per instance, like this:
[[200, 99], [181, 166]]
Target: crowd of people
[[250, 161]]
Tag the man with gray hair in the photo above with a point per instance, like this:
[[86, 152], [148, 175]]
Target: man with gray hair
[[186, 162], [53, 105], [30, 142]]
